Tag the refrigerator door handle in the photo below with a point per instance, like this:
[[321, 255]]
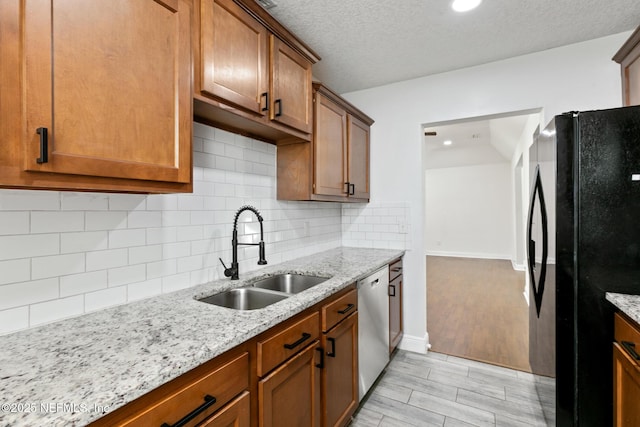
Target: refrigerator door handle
[[538, 288]]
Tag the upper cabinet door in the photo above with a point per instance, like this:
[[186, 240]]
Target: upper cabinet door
[[291, 87], [330, 148], [234, 53], [111, 83], [358, 137]]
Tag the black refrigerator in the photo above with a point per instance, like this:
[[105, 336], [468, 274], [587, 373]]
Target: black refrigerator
[[583, 241]]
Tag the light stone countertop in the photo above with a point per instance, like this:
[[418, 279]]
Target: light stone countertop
[[113, 356], [628, 304]]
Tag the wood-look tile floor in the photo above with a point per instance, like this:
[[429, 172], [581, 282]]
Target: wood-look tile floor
[[440, 390]]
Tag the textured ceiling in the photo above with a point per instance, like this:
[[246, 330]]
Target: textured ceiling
[[368, 43]]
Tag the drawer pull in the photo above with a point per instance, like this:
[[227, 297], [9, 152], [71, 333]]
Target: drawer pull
[[332, 353], [392, 288], [347, 309], [208, 401], [305, 336], [321, 364], [631, 349], [397, 269]]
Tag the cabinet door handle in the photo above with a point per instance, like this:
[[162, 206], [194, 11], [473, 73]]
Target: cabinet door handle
[[347, 309], [631, 349], [348, 184], [305, 336], [279, 110], [352, 190], [44, 145], [265, 95], [208, 401], [321, 364], [392, 288], [332, 353]]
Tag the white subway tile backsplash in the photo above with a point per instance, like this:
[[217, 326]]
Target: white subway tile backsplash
[[84, 201], [141, 219], [14, 223], [24, 200], [127, 238], [50, 311], [105, 298], [146, 289], [18, 270], [14, 319], [83, 241], [29, 245], [68, 253], [82, 283], [18, 294], [105, 220], [149, 253], [124, 275], [110, 258], [57, 265]]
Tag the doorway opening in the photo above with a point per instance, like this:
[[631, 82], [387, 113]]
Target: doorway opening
[[476, 194]]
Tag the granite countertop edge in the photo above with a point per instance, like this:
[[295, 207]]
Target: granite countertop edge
[[628, 304], [93, 364]]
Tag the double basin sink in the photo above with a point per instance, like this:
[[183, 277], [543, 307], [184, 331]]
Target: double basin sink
[[264, 292]]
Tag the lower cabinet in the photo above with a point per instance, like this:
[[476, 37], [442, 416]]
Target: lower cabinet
[[302, 372], [626, 373], [290, 395], [235, 414], [395, 304], [340, 372]]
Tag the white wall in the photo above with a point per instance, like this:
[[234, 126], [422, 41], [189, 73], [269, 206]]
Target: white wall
[[468, 211], [63, 254], [576, 77]]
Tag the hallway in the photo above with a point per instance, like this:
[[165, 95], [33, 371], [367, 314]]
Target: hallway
[[476, 310]]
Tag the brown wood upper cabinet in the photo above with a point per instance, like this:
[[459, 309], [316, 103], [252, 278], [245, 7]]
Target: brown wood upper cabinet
[[252, 76], [105, 91], [629, 59], [335, 165]]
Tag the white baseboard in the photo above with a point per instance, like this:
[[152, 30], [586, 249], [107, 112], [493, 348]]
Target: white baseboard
[[415, 344], [469, 255], [516, 266]]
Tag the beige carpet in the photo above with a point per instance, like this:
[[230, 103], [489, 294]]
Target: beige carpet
[[476, 310]]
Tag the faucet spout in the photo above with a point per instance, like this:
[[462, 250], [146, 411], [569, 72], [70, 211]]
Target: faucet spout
[[233, 270]]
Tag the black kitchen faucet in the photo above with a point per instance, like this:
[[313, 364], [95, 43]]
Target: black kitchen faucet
[[233, 271]]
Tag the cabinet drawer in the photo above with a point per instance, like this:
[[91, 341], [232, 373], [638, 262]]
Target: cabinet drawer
[[334, 312], [236, 414], [625, 330], [283, 344], [223, 383], [395, 269]]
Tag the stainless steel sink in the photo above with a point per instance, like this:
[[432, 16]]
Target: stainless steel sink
[[244, 298], [289, 283]]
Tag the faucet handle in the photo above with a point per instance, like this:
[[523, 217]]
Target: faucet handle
[[227, 271]]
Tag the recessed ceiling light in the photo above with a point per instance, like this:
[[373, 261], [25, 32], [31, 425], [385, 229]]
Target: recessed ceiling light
[[465, 5], [448, 142]]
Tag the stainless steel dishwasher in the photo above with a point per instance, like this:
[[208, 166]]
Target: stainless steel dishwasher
[[373, 328]]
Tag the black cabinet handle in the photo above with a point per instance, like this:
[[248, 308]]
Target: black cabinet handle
[[347, 309], [208, 401], [305, 336], [321, 364], [44, 145], [397, 269], [352, 189], [348, 184], [332, 353], [631, 349], [279, 110], [265, 95], [392, 287]]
